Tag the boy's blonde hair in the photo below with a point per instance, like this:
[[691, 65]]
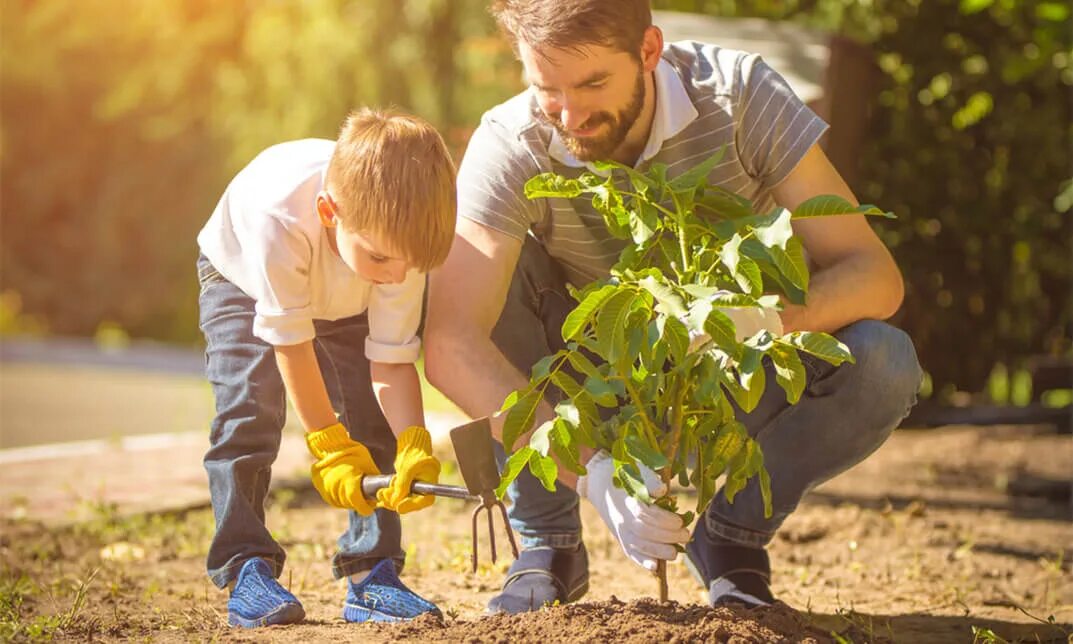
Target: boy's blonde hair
[[391, 175]]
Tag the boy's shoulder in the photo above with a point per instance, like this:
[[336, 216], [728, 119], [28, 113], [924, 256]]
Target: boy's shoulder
[[290, 159], [282, 176]]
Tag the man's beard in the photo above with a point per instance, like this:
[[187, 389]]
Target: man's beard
[[601, 147]]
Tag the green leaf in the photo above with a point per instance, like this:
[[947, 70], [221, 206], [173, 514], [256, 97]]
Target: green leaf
[[539, 440], [629, 477], [720, 329], [820, 345], [602, 392], [789, 372], [765, 488], [675, 335], [641, 184], [637, 447], [729, 255], [791, 263], [967, 7], [512, 468], [542, 368], [550, 184], [512, 399], [643, 222], [611, 324], [577, 319], [724, 203], [778, 232], [833, 205], [748, 276], [581, 363], [747, 398], [751, 369], [692, 178], [728, 300], [565, 447], [668, 301], [545, 470], [580, 422], [520, 418]]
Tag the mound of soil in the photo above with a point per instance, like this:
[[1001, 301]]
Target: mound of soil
[[643, 620]]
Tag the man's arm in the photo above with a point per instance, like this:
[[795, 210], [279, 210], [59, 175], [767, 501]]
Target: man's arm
[[855, 276], [466, 297], [398, 391]]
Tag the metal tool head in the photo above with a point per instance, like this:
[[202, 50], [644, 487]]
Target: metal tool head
[[475, 451]]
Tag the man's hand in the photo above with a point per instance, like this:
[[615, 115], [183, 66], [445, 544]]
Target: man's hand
[[341, 465], [645, 532], [413, 462]]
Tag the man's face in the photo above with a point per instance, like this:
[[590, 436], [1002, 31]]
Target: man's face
[[591, 96]]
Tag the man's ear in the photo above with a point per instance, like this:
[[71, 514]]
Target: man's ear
[[651, 48], [326, 209]]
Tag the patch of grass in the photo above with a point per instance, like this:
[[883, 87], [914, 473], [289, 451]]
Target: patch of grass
[[17, 621]]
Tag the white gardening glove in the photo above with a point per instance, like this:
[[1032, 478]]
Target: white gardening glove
[[645, 532], [747, 323]]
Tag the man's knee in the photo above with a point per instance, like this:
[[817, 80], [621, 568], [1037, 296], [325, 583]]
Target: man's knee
[[885, 363]]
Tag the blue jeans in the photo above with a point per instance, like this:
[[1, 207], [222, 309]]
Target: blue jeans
[[246, 432], [844, 415]]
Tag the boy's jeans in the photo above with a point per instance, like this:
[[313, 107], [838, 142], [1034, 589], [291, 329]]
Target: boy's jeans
[[844, 415], [250, 413]]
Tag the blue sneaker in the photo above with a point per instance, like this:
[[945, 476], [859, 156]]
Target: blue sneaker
[[382, 597], [259, 600]]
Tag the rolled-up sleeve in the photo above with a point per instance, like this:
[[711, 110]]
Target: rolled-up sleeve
[[394, 317], [277, 262]]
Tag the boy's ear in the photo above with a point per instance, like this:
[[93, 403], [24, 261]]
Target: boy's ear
[[326, 209]]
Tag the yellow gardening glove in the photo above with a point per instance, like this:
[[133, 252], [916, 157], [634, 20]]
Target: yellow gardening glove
[[341, 464], [413, 462]]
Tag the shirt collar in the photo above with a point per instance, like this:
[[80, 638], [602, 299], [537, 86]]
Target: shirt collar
[[674, 111]]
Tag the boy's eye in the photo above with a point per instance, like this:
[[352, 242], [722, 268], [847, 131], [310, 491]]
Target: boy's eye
[[377, 259]]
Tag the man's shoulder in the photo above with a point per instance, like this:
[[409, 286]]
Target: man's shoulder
[[514, 124], [710, 68]]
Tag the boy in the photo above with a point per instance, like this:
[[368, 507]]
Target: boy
[[312, 276]]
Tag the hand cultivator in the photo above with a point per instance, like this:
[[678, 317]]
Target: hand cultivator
[[476, 462]]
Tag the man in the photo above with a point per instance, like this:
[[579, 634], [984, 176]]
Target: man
[[604, 86]]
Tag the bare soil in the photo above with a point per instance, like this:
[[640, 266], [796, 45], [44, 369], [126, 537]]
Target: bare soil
[[950, 535]]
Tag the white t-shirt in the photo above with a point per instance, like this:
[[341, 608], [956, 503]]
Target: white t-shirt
[[265, 237]]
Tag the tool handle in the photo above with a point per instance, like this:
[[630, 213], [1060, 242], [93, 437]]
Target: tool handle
[[370, 485]]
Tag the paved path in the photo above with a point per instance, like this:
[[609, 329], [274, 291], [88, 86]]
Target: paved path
[[83, 430]]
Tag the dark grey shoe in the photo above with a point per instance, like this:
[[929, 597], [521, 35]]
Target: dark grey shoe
[[732, 573], [543, 576]]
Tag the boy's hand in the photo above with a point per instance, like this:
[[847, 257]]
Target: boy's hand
[[413, 462], [341, 464]]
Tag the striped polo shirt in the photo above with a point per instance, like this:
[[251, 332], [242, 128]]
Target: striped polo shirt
[[706, 98]]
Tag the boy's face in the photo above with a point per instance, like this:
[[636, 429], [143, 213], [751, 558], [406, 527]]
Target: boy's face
[[592, 96], [369, 257]]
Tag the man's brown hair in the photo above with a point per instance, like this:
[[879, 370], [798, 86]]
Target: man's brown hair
[[573, 24], [391, 175]]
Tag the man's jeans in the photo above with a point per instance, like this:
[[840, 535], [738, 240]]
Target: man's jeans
[[844, 415], [250, 414]]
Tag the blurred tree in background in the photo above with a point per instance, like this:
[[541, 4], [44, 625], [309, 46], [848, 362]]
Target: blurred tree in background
[[971, 145], [123, 120]]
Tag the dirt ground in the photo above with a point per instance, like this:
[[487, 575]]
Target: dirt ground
[[950, 535]]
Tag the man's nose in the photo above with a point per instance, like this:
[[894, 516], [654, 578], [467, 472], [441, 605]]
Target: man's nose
[[572, 115]]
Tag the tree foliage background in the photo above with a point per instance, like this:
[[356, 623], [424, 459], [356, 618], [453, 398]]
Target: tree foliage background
[[123, 120]]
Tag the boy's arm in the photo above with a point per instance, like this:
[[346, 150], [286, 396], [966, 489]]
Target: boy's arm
[[305, 386], [341, 462], [398, 391]]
